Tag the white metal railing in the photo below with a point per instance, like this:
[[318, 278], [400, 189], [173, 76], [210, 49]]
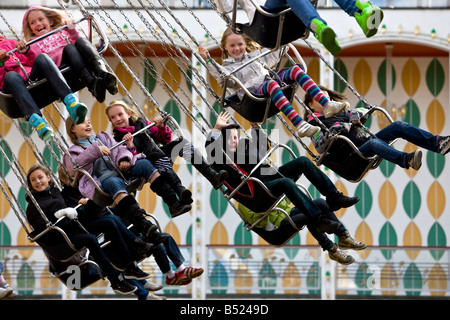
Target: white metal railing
[[291, 271]]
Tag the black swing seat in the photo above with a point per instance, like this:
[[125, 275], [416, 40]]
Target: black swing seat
[[103, 199], [353, 166], [62, 254], [273, 28], [257, 108]]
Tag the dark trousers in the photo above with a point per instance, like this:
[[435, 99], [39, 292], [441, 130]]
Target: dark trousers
[[43, 67], [287, 184]]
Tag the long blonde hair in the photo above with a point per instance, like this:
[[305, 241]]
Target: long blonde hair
[[56, 17], [133, 115], [250, 45]]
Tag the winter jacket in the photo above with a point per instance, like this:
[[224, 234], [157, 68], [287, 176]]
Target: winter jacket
[[249, 153], [50, 201], [339, 124], [142, 142], [86, 156], [252, 76], [26, 60]]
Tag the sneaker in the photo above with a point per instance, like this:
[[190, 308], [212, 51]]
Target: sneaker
[[413, 160], [346, 241], [334, 107], [151, 286], [338, 201], [326, 36], [306, 130], [5, 292], [369, 18], [44, 131], [444, 145], [327, 226], [152, 296], [120, 285], [176, 279], [191, 272], [77, 111], [340, 256], [132, 271]]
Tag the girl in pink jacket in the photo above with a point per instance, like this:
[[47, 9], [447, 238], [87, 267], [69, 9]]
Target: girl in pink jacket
[[13, 80], [68, 47]]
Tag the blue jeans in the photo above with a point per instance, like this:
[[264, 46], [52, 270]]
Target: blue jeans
[[43, 67], [292, 171], [143, 168], [165, 251], [398, 129], [306, 11]]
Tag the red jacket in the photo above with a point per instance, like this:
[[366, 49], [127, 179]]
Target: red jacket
[[26, 60]]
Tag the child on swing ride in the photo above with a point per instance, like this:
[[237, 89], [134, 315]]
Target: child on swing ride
[[238, 49], [68, 47], [125, 121], [51, 202], [108, 168], [24, 63], [348, 124]]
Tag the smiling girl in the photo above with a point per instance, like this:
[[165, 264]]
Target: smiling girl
[[68, 47], [238, 50]]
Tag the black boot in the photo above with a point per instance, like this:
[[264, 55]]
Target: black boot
[[163, 189], [215, 178], [337, 201], [95, 86], [184, 194], [130, 209], [109, 79]]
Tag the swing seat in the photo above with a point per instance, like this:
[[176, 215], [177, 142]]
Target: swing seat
[[353, 168], [62, 254], [273, 28], [259, 199], [257, 108], [103, 199]]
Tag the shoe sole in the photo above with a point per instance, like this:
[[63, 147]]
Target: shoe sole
[[125, 292], [417, 162], [341, 262], [329, 41], [81, 113], [445, 150], [373, 31], [137, 278], [343, 247]]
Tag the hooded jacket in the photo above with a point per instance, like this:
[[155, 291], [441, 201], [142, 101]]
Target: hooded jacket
[[26, 60], [54, 44], [86, 157]]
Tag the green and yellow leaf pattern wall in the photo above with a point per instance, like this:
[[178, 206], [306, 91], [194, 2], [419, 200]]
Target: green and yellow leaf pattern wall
[[398, 207]]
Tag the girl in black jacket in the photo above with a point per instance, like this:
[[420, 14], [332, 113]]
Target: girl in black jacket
[[52, 204]]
